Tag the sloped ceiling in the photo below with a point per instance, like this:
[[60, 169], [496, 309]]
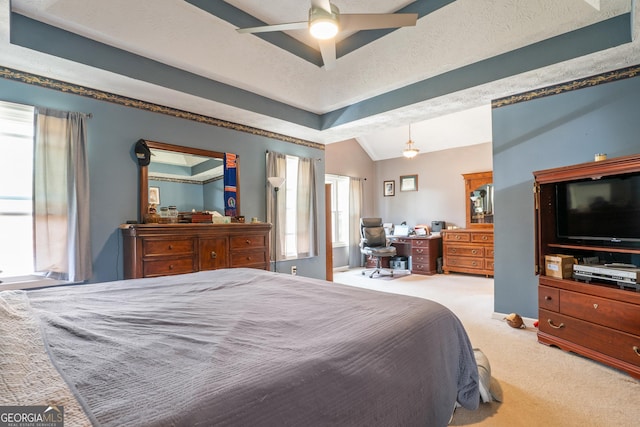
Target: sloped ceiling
[[439, 76]]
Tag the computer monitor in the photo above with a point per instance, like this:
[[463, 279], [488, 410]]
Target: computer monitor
[[400, 230]]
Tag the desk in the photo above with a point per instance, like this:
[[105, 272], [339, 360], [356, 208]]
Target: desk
[[422, 250]]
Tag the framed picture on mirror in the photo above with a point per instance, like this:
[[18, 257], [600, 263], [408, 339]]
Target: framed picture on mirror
[[389, 188], [409, 183], [154, 195]]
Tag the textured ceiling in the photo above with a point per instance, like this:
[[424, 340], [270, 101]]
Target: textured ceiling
[[363, 96]]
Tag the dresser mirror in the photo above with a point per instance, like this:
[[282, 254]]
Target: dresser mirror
[[479, 199], [188, 178]]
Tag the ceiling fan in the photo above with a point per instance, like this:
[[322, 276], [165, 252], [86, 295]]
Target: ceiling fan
[[325, 21]]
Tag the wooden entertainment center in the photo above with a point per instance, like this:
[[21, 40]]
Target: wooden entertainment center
[[597, 320]]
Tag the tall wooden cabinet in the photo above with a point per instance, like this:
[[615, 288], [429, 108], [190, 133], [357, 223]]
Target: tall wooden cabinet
[[598, 320], [164, 249], [470, 249]]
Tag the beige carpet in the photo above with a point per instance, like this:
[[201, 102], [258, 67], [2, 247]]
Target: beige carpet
[[539, 385]]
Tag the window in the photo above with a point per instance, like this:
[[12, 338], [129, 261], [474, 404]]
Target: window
[[291, 202], [293, 208], [16, 189], [339, 209]]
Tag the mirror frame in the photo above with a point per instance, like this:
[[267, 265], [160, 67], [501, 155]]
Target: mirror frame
[[473, 181], [144, 171]]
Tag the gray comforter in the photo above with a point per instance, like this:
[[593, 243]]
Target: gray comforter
[[244, 347]]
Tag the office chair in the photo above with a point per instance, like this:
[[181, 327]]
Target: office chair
[[373, 242]]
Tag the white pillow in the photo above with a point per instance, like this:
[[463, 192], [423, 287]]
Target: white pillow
[[484, 376]]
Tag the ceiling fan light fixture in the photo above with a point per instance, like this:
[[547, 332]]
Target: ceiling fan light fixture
[[322, 24]]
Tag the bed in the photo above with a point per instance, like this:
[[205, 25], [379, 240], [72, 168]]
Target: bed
[[234, 347]]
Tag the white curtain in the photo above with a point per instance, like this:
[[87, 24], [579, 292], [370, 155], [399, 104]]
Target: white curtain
[[61, 196], [355, 212], [276, 166], [307, 242], [306, 209]]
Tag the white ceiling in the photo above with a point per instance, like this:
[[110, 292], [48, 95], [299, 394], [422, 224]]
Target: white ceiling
[[461, 33]]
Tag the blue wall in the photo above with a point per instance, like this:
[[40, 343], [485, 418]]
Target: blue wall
[[112, 133], [548, 132]]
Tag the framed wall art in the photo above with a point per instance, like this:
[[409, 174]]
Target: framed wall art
[[389, 188], [409, 183], [154, 195]]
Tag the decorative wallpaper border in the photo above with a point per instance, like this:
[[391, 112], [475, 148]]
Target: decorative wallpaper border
[[41, 81], [610, 76]]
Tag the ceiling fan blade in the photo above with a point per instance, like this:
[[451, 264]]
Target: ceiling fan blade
[[322, 4], [276, 27], [328, 52], [374, 21]]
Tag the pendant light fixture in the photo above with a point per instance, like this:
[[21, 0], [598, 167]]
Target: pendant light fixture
[[410, 151]]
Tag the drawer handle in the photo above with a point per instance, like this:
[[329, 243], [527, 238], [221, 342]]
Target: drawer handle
[[547, 298], [170, 247], [419, 251], [249, 258], [550, 322], [484, 237], [636, 349], [474, 263], [213, 255], [170, 266], [248, 242], [475, 251], [453, 250], [458, 237]]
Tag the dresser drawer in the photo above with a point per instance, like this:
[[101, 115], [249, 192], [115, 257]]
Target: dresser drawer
[[548, 298], [610, 342], [470, 251], [452, 236], [248, 258], [466, 262], [167, 266], [421, 267], [615, 314], [173, 246], [249, 241], [489, 252], [420, 243], [488, 264], [419, 259], [420, 251], [485, 238]]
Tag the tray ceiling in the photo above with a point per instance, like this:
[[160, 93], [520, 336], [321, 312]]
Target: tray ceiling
[[439, 76]]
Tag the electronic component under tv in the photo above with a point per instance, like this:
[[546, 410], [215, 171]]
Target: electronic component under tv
[[600, 211]]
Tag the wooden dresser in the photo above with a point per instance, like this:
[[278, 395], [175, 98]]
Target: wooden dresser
[[468, 251], [164, 249], [423, 250]]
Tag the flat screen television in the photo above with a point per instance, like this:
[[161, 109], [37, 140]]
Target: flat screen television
[[603, 211]]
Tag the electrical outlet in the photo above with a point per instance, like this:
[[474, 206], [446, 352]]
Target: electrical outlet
[[294, 270]]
